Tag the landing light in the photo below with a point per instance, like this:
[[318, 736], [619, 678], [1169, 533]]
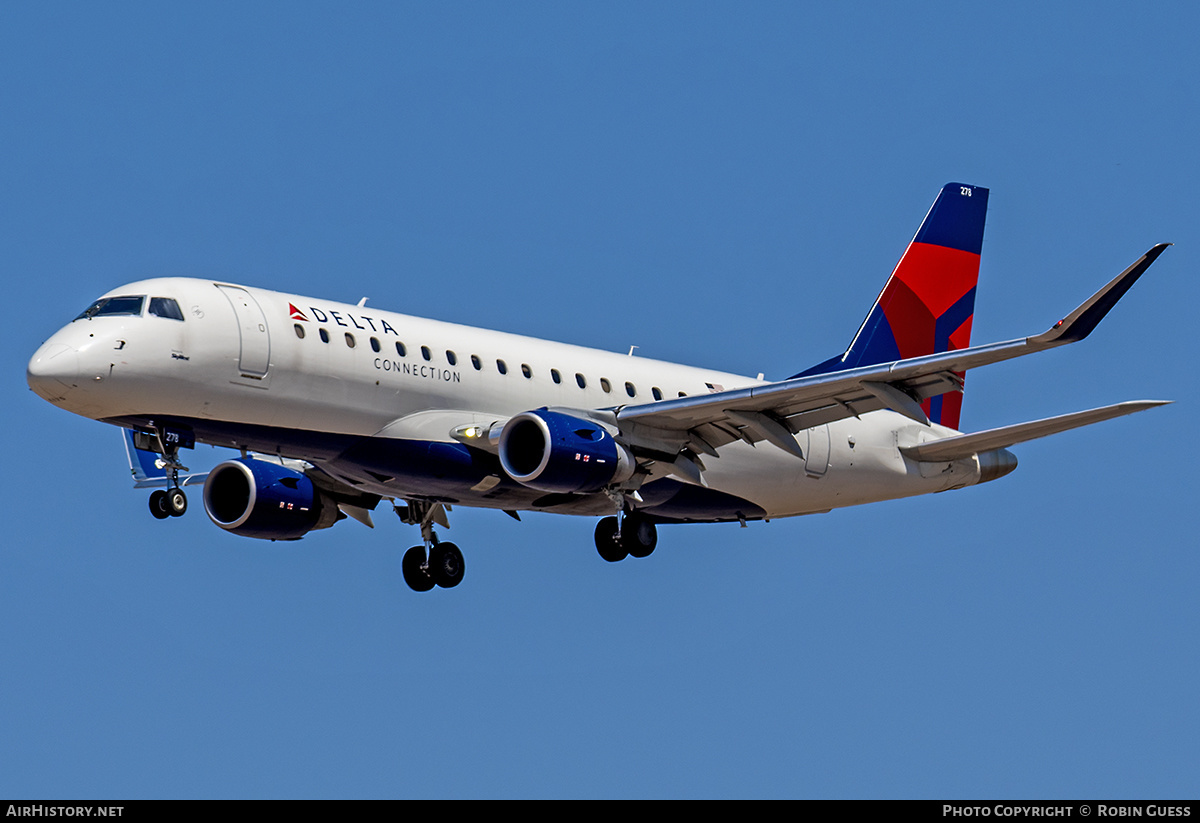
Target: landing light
[[475, 435]]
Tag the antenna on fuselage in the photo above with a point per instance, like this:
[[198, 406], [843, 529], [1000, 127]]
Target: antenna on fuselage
[[631, 348], [362, 302]]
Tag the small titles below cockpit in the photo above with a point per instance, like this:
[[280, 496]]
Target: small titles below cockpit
[[131, 305]]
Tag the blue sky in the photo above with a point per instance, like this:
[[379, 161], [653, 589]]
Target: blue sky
[[719, 184]]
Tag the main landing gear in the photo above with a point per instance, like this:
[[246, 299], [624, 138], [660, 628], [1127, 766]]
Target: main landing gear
[[441, 566], [434, 563], [627, 535]]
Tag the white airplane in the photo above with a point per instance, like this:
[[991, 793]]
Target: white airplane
[[336, 407]]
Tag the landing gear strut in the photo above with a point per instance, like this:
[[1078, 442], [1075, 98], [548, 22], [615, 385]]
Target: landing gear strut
[[630, 534], [434, 563]]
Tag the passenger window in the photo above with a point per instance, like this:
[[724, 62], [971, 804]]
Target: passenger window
[[299, 331], [525, 370], [501, 367], [451, 358], [165, 307], [683, 394], [630, 390], [350, 340], [425, 353], [324, 336], [375, 344], [604, 384], [579, 378], [555, 376], [657, 392], [400, 350], [476, 362]]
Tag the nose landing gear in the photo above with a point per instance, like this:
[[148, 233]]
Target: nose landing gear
[[171, 502]]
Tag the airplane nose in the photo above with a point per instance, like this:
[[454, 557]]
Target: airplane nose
[[53, 370]]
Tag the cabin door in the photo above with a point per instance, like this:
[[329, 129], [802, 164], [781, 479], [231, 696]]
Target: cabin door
[[254, 359]]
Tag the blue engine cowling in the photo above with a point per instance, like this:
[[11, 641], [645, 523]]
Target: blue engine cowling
[[257, 498], [556, 452]]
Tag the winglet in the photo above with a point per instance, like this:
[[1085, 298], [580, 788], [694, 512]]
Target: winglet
[[1079, 323]]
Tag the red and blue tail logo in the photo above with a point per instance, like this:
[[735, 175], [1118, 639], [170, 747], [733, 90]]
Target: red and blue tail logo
[[929, 301]]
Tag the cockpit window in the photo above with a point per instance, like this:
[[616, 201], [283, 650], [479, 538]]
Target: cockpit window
[[105, 306], [165, 307]]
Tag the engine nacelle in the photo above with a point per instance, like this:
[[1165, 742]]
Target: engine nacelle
[[257, 498], [557, 452]]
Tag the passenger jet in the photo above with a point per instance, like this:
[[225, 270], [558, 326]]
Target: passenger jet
[[336, 407]]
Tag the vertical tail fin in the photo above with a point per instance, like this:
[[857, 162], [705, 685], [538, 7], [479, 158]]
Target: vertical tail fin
[[928, 303]]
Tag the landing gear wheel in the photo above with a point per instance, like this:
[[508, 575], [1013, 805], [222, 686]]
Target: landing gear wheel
[[608, 540], [638, 535], [158, 505], [446, 565], [414, 573], [176, 502]]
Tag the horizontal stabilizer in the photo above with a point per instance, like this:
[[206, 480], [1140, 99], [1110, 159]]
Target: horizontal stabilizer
[[965, 445]]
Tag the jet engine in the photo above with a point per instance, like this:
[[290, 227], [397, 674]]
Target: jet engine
[[258, 498], [557, 452]]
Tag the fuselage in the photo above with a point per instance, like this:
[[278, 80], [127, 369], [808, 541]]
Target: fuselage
[[370, 398]]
